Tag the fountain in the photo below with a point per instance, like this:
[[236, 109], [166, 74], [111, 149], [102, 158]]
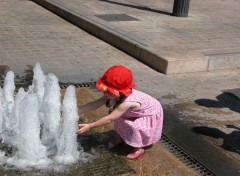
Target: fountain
[[1, 111], [67, 147], [50, 112], [39, 129]]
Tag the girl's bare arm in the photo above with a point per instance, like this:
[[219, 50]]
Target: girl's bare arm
[[92, 105], [107, 119]]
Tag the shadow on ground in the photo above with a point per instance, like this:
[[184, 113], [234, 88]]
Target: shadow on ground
[[101, 139], [138, 7], [224, 100], [231, 141]]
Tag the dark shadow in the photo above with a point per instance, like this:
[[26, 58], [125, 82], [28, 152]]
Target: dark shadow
[[96, 144], [95, 140], [100, 140], [233, 126], [138, 7], [231, 142], [224, 100]]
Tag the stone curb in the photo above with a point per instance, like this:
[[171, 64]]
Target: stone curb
[[170, 60], [133, 47]]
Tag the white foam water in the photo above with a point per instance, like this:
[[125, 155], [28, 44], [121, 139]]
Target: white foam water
[[13, 127], [8, 103], [31, 123], [8, 89], [30, 150], [50, 112], [38, 84], [67, 146], [1, 111]]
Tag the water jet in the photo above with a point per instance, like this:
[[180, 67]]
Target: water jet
[[36, 127]]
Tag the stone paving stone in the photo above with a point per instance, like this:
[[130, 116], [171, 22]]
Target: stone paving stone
[[31, 34], [200, 32]]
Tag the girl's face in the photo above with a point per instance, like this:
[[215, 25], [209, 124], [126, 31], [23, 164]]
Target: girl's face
[[109, 95]]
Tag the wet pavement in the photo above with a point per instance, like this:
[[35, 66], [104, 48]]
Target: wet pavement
[[197, 110]]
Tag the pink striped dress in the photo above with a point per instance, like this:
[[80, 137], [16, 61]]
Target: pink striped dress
[[142, 126]]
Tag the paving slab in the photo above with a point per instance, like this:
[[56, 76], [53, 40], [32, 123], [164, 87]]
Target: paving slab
[[205, 40]]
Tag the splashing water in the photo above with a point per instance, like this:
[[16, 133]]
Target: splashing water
[[30, 150], [8, 103], [1, 111], [31, 123], [67, 140], [50, 112], [13, 127], [39, 80]]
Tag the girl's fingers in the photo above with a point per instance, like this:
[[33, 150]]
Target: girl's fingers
[[83, 128], [80, 131]]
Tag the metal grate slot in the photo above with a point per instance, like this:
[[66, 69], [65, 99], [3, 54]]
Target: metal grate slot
[[77, 85], [192, 163]]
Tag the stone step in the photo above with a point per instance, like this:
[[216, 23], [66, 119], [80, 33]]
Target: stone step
[[166, 59]]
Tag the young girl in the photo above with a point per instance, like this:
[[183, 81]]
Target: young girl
[[138, 117]]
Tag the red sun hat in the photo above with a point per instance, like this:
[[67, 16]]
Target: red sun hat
[[117, 79]]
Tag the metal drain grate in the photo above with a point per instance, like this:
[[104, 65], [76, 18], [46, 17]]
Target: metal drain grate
[[192, 163], [86, 84]]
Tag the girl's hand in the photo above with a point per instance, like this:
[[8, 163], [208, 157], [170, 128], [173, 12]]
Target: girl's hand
[[83, 128]]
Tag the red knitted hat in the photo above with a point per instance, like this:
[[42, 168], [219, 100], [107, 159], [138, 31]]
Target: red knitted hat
[[115, 80]]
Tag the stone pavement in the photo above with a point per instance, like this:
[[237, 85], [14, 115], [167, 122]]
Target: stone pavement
[[206, 40], [30, 34]]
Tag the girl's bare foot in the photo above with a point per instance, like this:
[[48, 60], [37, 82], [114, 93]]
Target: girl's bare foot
[[136, 154]]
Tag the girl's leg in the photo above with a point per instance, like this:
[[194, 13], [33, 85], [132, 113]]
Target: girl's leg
[[138, 152], [118, 140]]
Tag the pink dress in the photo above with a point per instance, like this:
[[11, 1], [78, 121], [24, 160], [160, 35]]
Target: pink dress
[[142, 126]]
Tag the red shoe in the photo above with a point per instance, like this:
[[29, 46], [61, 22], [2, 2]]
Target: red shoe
[[135, 155]]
